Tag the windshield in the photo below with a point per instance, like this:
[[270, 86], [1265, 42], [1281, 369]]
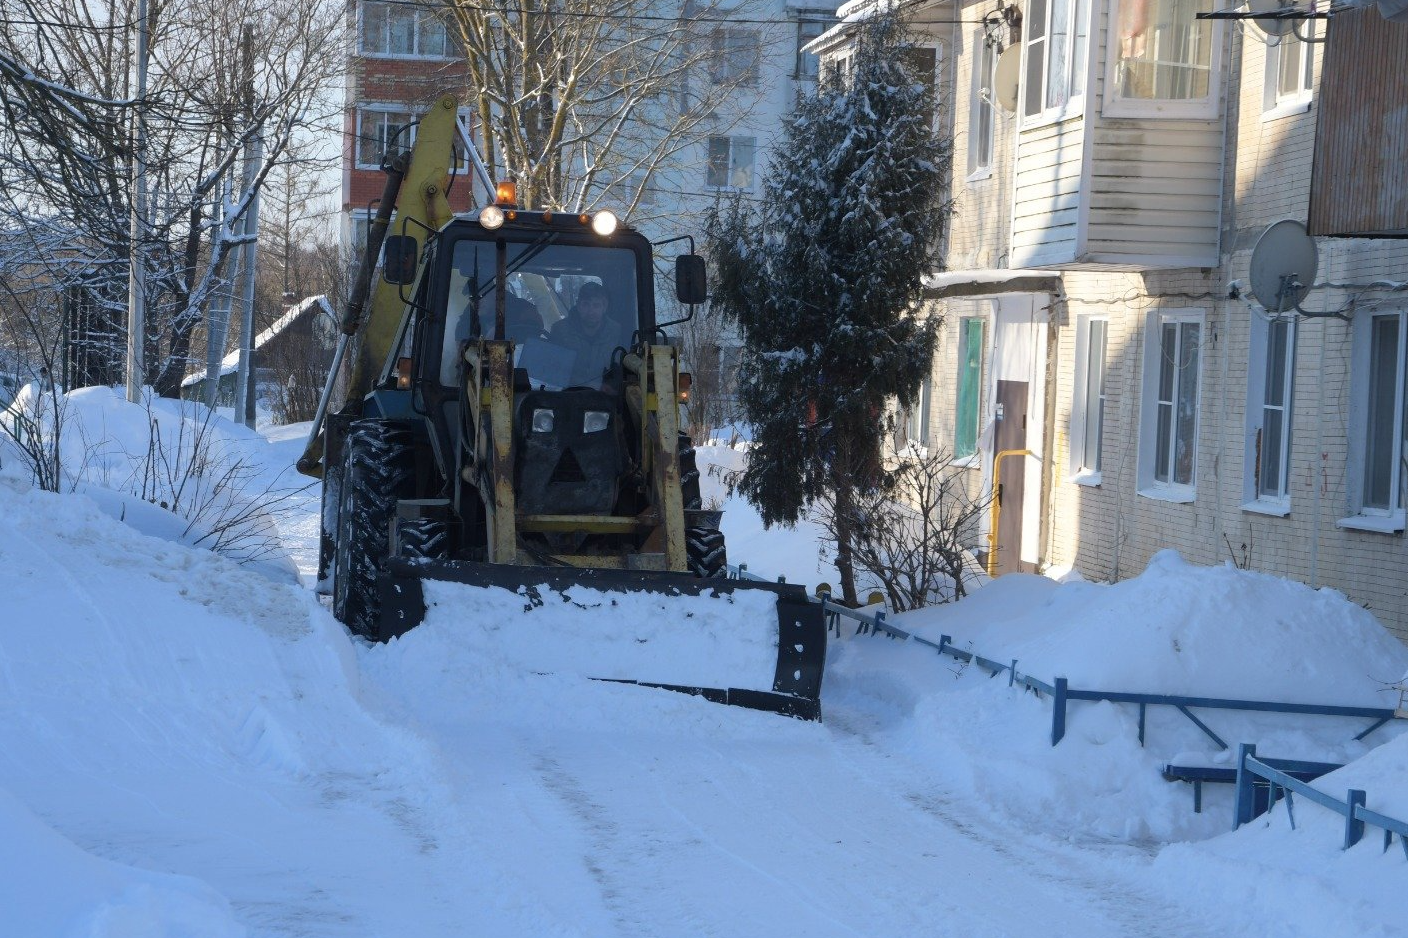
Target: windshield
[[567, 307]]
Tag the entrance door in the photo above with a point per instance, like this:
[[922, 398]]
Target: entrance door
[[1011, 433]]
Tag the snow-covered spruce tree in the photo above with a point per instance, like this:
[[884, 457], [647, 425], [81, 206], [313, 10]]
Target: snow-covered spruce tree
[[823, 279]]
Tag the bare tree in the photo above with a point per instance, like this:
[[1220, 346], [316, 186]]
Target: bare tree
[[911, 534], [66, 144], [583, 100]]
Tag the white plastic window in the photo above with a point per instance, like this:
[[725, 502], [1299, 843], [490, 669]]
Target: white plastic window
[[1057, 50], [730, 163], [402, 30], [1163, 60], [981, 109]]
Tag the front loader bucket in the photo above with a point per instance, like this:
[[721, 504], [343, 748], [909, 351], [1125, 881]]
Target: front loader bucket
[[763, 648]]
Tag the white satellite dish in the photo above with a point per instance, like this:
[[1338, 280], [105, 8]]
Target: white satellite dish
[[1284, 265], [1006, 76], [1272, 27]]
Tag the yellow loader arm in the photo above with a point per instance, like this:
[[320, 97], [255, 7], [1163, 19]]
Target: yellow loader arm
[[413, 205]]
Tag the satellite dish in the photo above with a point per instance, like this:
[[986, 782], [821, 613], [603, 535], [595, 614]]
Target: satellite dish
[[1272, 27], [1006, 76], [1284, 264]]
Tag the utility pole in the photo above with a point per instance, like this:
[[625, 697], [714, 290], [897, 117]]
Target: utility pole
[[136, 278], [253, 154]]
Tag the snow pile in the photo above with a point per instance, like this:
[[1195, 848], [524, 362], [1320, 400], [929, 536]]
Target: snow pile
[[726, 639], [172, 469], [1175, 629], [1183, 629]]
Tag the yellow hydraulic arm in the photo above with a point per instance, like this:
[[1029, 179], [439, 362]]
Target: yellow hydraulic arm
[[414, 205]]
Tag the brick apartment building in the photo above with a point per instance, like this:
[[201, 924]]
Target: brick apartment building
[[401, 59]]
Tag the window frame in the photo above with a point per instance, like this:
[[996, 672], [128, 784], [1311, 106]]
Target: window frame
[[1080, 473], [1150, 485], [728, 173], [1275, 104], [824, 19], [1388, 519], [1259, 372], [983, 79], [973, 422], [1116, 105], [720, 66], [1074, 103], [464, 116], [420, 13]]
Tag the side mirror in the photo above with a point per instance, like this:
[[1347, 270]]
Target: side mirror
[[691, 280], [399, 253]]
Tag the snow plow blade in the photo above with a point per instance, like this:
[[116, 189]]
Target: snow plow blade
[[793, 640]]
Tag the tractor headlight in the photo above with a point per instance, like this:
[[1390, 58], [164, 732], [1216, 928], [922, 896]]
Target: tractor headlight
[[604, 222], [491, 217], [594, 421], [542, 420]]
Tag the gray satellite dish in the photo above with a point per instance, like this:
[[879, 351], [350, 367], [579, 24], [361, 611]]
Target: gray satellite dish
[[1006, 76], [1284, 264], [1272, 27]]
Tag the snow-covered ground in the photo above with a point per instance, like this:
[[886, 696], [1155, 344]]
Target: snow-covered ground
[[194, 747]]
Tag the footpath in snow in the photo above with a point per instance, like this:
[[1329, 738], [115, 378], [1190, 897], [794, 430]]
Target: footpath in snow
[[190, 746]]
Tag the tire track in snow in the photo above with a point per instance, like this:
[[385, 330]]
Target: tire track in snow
[[1122, 899]]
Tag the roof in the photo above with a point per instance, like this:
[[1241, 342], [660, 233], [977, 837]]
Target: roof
[[988, 282], [231, 361]]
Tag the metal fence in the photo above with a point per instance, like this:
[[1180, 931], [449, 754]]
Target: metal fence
[[1354, 809], [1059, 689]]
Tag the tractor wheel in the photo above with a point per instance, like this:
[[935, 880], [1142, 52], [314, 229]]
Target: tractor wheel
[[689, 475], [423, 538], [705, 552], [378, 468]]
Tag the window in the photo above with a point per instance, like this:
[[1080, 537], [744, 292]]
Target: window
[[1088, 405], [730, 163], [1057, 38], [838, 70], [807, 65], [1169, 434], [914, 426], [1289, 72], [381, 129], [970, 378], [981, 110], [378, 132], [1378, 423], [1383, 442], [1275, 443], [401, 29], [735, 56], [1164, 60]]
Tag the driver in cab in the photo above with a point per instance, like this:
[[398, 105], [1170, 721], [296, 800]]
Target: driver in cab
[[590, 333]]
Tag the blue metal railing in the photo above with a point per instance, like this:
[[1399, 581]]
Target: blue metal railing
[[1062, 693], [1353, 809]]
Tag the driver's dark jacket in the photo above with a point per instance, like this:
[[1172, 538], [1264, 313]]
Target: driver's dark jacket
[[593, 351]]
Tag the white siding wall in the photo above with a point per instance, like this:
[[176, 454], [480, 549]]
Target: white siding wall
[[1047, 194]]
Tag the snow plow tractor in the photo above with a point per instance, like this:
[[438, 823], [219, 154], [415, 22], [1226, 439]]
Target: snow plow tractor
[[512, 422]]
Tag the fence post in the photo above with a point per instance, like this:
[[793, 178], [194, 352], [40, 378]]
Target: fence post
[[1242, 804], [1012, 673], [1353, 826], [943, 644], [1058, 711]]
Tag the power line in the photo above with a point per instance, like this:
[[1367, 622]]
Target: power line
[[56, 24], [683, 20]]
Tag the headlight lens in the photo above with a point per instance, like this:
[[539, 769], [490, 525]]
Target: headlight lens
[[604, 222], [491, 217], [542, 420], [594, 421]]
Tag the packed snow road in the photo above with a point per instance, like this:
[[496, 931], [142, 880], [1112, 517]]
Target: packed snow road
[[190, 748]]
